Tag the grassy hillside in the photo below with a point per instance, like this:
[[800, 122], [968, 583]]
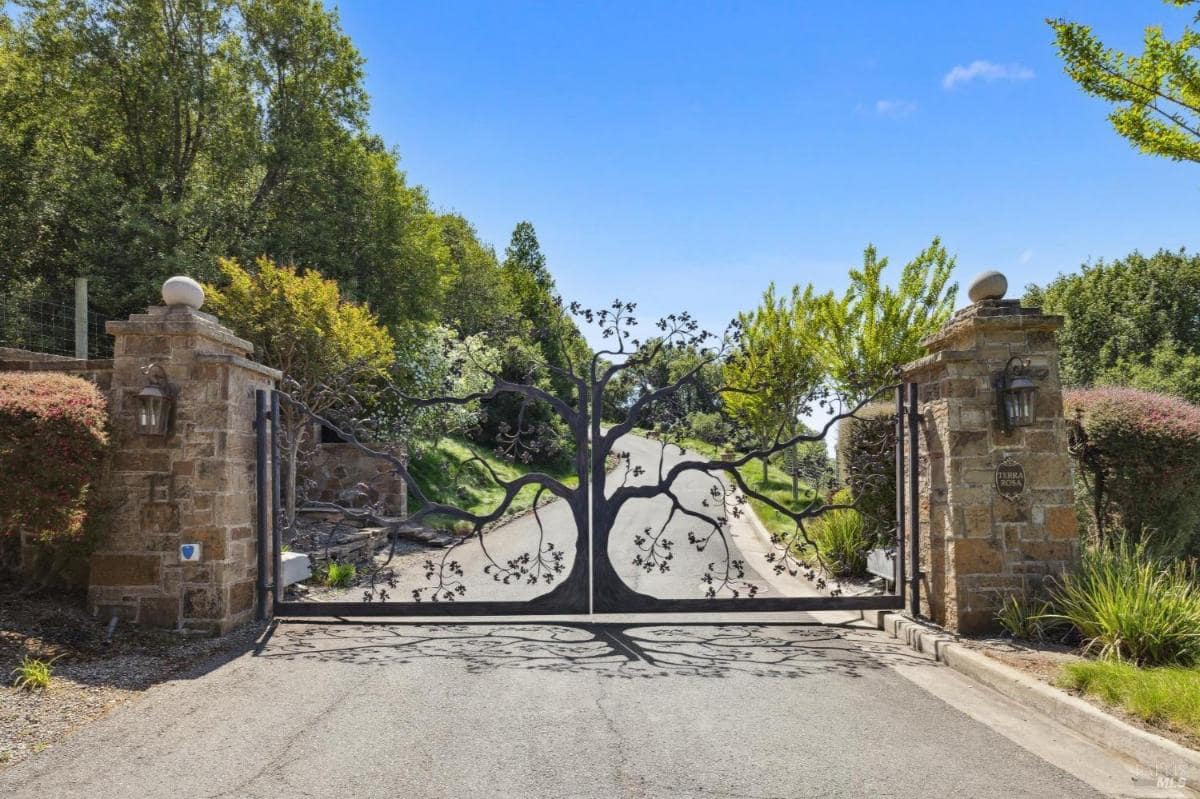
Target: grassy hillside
[[447, 475]]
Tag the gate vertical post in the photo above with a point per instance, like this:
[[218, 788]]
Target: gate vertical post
[[276, 503], [914, 500], [898, 582], [262, 506]]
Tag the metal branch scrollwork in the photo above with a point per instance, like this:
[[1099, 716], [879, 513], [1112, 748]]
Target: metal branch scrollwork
[[665, 380]]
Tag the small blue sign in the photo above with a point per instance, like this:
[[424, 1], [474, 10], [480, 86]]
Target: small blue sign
[[189, 552]]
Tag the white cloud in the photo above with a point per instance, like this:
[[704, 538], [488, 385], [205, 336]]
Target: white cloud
[[986, 71], [895, 108], [1025, 257]]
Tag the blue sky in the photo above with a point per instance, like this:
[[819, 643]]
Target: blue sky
[[684, 155]]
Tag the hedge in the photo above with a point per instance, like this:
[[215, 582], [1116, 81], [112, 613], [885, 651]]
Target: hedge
[[52, 442], [1137, 455], [870, 472]]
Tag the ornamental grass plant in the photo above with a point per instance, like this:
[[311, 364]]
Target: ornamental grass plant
[[1130, 606], [841, 538]]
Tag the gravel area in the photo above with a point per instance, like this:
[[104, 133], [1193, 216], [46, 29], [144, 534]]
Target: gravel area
[[90, 677], [1041, 660]]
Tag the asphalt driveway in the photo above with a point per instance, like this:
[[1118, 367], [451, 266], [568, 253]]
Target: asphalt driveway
[[522, 710]]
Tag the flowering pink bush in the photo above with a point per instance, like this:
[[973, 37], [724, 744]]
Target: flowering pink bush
[[1138, 458], [52, 441]]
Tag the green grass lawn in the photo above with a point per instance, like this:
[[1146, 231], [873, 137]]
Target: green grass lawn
[[1167, 696], [446, 477]]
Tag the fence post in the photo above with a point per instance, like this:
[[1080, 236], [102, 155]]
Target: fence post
[[81, 318]]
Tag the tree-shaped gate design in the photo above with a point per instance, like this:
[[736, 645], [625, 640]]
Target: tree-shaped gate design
[[608, 481]]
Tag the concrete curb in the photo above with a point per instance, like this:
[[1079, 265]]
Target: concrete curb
[[1155, 753]]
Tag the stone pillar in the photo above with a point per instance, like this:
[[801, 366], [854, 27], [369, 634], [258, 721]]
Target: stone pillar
[[978, 546], [194, 486]]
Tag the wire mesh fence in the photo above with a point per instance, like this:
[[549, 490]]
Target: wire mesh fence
[[38, 325]]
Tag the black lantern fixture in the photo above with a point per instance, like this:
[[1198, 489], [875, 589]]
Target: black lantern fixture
[[1016, 392], [154, 403]]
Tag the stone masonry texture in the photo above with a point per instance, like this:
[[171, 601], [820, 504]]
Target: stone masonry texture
[[977, 547], [196, 485]]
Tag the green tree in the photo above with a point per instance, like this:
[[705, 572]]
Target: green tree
[[771, 378], [1157, 93], [546, 322], [672, 360], [524, 252], [145, 138], [110, 116], [478, 298], [1134, 321], [873, 328], [300, 324]]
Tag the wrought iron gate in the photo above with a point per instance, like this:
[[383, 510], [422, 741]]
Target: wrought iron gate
[[454, 569]]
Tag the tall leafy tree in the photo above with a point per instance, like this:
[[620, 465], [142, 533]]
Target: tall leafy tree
[[771, 378], [1156, 93], [533, 292], [478, 295], [1134, 321], [525, 253], [144, 138], [301, 325], [873, 327]]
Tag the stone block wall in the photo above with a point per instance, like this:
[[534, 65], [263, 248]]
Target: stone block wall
[[977, 547], [196, 485], [344, 474]]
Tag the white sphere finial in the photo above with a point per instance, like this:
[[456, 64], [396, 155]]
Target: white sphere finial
[[180, 290], [989, 285]]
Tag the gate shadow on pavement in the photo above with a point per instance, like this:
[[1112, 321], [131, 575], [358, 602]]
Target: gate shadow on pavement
[[781, 650]]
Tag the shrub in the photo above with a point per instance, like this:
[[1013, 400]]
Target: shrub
[[1138, 457], [841, 539], [339, 575], [1025, 618], [708, 427], [33, 673], [1129, 606], [52, 442], [869, 461]]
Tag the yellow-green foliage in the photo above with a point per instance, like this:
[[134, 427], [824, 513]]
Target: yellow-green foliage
[[299, 322], [1155, 93], [32, 673], [339, 575], [773, 373], [872, 327]]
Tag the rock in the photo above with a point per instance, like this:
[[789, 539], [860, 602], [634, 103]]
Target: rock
[[180, 290], [989, 285]]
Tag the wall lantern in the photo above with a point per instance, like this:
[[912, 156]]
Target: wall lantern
[[154, 402], [1016, 392]]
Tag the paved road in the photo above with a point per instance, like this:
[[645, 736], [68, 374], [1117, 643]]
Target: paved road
[[527, 710], [723, 707], [554, 524]]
